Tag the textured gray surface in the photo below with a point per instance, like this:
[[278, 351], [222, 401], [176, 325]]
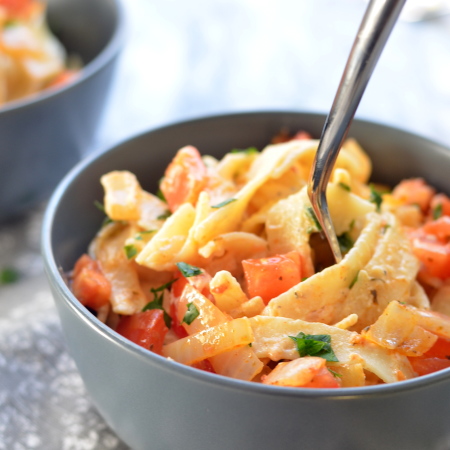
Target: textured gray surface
[[183, 60]]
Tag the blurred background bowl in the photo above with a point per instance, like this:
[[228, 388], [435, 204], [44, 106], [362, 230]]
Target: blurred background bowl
[[44, 135], [152, 402]]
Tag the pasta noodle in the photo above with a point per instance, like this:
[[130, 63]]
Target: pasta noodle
[[230, 267]]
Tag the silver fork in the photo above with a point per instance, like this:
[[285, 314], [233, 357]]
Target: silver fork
[[375, 28]]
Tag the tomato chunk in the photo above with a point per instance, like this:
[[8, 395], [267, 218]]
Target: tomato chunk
[[146, 329], [19, 8], [89, 285], [424, 366], [176, 291], [435, 256], [270, 277], [440, 349], [184, 179], [439, 228], [442, 202], [414, 192]]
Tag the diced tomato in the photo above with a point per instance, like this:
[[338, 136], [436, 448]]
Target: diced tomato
[[424, 366], [440, 349], [414, 192], [89, 285], [270, 277], [441, 201], [323, 379], [19, 8], [439, 228], [146, 329], [435, 256], [301, 136], [184, 179], [63, 78], [176, 291], [205, 365]]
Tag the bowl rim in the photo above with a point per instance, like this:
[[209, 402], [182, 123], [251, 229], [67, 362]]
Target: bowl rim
[[108, 53], [56, 279]]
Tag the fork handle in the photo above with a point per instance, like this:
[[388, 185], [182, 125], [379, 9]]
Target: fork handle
[[375, 28]]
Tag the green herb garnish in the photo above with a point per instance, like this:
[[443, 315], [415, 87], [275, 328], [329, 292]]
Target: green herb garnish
[[314, 345], [188, 271], [164, 216], [191, 314], [354, 281], [101, 208], [224, 203], [375, 197], [334, 373], [130, 251], [141, 233], [313, 217], [344, 186], [158, 297], [248, 151], [8, 275], [437, 211], [345, 242]]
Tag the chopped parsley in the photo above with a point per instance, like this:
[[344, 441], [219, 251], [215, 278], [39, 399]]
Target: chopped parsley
[[375, 197], [344, 186], [8, 275], [314, 345], [191, 314], [313, 217], [141, 233], [159, 193], [188, 271], [101, 208], [164, 215], [248, 151], [130, 251], [224, 203], [437, 211], [345, 242], [354, 281], [158, 297], [334, 373]]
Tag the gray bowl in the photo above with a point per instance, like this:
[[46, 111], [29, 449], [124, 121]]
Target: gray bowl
[[43, 136], [155, 403]]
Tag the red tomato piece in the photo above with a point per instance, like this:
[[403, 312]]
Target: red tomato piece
[[270, 277], [184, 179], [440, 349], [176, 291], [19, 8], [424, 366], [414, 192], [301, 136], [146, 329], [435, 256], [89, 285], [205, 365], [323, 379], [439, 228], [442, 201]]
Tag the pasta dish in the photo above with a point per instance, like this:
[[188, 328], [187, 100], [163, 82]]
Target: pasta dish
[[31, 58], [225, 269]]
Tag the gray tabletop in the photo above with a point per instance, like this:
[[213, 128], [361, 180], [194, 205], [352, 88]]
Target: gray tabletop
[[184, 60]]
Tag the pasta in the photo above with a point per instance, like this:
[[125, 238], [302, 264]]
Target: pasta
[[227, 271], [31, 58]]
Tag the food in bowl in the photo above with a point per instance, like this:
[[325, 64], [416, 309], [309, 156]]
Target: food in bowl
[[31, 57], [226, 270]]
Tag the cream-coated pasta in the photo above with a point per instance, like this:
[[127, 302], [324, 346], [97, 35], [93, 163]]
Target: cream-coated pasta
[[228, 271]]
